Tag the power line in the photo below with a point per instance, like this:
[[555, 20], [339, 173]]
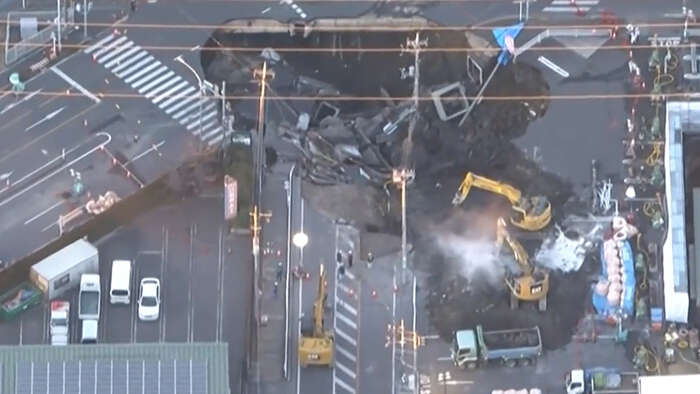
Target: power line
[[376, 98], [282, 27], [543, 48]]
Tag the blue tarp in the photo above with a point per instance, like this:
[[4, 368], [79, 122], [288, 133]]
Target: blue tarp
[[600, 303], [500, 35]]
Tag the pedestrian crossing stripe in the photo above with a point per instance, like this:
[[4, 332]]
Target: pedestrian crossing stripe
[[172, 93]]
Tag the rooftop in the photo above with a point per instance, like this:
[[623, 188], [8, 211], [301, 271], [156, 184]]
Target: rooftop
[[200, 368]]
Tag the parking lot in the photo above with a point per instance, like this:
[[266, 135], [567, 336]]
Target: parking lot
[[204, 272]]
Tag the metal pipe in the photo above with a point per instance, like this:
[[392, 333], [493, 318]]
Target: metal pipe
[[404, 258], [416, 375], [285, 369]]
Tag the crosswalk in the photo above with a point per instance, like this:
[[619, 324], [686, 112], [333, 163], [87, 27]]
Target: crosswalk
[[170, 92], [345, 321], [571, 6]]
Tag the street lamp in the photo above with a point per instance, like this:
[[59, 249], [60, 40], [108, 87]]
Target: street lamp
[[300, 240], [201, 88]]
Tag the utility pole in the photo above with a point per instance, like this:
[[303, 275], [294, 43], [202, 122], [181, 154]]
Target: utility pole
[[58, 24]]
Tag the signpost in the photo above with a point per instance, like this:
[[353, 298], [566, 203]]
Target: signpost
[[230, 197]]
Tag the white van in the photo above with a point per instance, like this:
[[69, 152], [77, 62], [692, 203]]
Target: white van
[[89, 332], [120, 292]]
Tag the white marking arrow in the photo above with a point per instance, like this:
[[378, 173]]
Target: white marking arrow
[[46, 118]]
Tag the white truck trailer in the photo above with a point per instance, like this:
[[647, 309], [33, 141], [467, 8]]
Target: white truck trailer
[[89, 297], [61, 271]]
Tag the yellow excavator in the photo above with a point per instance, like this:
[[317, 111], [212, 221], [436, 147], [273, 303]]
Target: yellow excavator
[[532, 283], [317, 349], [532, 213]]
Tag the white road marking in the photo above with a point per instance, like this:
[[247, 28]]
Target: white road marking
[[26, 98], [153, 93], [46, 118], [44, 212], [347, 321], [75, 84], [345, 336], [566, 9], [345, 369], [345, 289], [124, 55], [194, 48], [212, 133], [156, 81], [576, 2], [169, 93], [147, 151], [202, 120], [266, 10], [149, 76], [343, 385], [349, 274], [140, 72], [62, 168], [347, 306], [553, 66], [458, 382], [448, 358], [346, 353], [98, 44], [176, 97], [109, 47], [131, 60], [115, 52]]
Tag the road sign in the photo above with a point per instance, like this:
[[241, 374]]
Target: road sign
[[230, 197]]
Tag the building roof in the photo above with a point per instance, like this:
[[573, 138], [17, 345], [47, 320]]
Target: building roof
[[680, 120], [196, 368], [56, 264]]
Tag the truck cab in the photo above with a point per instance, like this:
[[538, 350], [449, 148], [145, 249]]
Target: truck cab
[[576, 382], [464, 349]]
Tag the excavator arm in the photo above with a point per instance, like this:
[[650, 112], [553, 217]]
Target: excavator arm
[[512, 194], [519, 252], [318, 304], [533, 213]]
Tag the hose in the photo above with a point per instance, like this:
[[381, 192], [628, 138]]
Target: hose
[[649, 208]]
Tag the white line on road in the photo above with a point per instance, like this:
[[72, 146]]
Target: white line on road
[[576, 2], [343, 385], [98, 44], [566, 9], [346, 353], [194, 48], [346, 320], [147, 151], [448, 358], [26, 98], [458, 382], [553, 66], [345, 336], [46, 118], [62, 168], [345, 289], [75, 84], [44, 212], [345, 369], [431, 336], [347, 306], [350, 274]]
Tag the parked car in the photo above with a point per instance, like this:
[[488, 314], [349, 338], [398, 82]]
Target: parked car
[[149, 299]]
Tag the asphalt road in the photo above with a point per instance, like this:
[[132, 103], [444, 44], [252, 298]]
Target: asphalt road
[[203, 271]]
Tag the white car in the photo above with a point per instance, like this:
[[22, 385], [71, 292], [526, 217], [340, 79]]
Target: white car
[[149, 299]]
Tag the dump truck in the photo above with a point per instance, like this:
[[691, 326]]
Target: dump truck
[[61, 271], [18, 299], [520, 346], [601, 380], [89, 298], [59, 322]]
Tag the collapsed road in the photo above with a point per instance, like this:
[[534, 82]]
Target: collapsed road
[[348, 149]]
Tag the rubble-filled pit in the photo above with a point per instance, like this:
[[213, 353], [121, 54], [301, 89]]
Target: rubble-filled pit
[[443, 151]]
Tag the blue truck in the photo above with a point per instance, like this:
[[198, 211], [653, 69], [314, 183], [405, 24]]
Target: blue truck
[[472, 348]]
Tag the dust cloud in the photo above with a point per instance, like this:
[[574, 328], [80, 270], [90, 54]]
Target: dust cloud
[[467, 242]]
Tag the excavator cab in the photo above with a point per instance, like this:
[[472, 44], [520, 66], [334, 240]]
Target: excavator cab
[[531, 284], [531, 213]]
